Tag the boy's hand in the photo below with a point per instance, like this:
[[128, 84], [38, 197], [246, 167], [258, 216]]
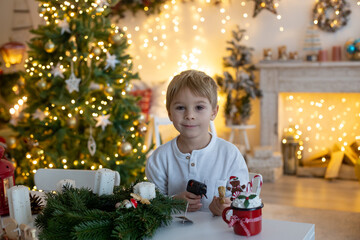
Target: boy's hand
[[216, 207], [193, 200]]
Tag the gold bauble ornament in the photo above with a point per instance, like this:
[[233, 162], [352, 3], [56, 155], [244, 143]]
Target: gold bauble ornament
[[116, 38], [36, 152], [356, 56], [125, 148], [49, 46], [11, 142], [97, 51], [42, 10], [143, 128], [71, 122], [41, 84], [109, 90]]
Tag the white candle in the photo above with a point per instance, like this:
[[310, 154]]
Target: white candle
[[19, 204], [104, 182], [65, 182], [145, 190]]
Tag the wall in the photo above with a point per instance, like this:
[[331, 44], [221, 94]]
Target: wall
[[204, 47]]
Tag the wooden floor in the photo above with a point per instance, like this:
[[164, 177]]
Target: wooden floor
[[318, 193]]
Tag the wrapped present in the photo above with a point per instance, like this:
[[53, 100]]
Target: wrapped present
[[145, 100]]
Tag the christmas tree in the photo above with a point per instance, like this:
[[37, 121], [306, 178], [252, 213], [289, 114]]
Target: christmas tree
[[241, 88], [79, 113]]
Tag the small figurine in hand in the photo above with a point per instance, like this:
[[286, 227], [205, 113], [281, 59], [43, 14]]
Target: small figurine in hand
[[222, 191]]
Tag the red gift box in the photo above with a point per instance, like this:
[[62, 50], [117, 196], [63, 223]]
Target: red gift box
[[145, 101]]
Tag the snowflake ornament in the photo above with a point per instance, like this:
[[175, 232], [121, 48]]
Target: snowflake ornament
[[72, 84], [103, 121], [38, 114], [64, 25], [111, 61], [57, 71]]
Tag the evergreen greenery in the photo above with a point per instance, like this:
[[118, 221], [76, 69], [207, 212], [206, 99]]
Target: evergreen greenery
[[58, 123], [238, 83], [80, 214]]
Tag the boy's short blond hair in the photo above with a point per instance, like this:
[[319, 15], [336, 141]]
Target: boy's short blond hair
[[198, 82]]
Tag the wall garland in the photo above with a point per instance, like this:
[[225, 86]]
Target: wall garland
[[331, 15]]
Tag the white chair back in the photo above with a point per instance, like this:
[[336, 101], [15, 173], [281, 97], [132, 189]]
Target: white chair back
[[46, 179]]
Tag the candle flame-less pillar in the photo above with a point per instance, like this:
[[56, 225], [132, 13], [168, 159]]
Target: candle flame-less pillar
[[19, 204], [104, 182]]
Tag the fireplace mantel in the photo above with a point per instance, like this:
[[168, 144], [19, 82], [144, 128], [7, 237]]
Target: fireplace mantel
[[277, 77]]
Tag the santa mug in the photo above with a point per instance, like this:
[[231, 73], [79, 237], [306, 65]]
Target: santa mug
[[245, 221]]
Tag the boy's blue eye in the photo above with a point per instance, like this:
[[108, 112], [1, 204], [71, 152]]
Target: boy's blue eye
[[179, 108], [199, 107]]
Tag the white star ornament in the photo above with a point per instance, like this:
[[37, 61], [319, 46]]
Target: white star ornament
[[103, 121], [111, 61], [72, 84], [57, 71]]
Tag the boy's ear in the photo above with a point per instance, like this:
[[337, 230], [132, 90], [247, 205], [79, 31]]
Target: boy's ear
[[214, 113]]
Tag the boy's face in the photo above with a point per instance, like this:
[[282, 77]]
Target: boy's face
[[191, 114]]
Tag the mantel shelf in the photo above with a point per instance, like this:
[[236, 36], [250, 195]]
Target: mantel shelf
[[305, 64]]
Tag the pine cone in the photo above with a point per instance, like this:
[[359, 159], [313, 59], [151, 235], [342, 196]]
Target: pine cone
[[36, 204]]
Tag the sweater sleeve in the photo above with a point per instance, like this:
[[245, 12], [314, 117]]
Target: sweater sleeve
[[155, 171]]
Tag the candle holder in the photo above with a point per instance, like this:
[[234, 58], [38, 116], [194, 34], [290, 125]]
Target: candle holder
[[7, 181]]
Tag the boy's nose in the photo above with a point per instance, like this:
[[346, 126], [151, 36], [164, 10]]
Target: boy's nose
[[189, 115]]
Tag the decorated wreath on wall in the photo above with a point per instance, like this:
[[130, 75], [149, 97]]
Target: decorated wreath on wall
[[331, 15]]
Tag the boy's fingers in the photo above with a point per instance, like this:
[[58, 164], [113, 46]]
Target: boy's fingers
[[194, 201], [192, 196], [194, 207]]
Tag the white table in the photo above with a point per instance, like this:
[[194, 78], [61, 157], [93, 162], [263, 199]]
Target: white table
[[242, 129], [207, 227]]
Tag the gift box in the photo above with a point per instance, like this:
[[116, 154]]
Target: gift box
[[145, 100]]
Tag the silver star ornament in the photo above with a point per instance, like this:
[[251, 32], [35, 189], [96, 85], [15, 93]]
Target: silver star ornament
[[72, 84], [103, 121], [38, 114], [111, 61], [57, 71], [64, 25]]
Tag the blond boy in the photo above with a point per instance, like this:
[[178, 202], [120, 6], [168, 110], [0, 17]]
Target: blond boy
[[191, 103]]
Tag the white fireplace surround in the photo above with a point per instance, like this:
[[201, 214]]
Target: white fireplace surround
[[322, 77]]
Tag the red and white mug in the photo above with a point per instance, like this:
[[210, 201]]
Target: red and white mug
[[245, 221]]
